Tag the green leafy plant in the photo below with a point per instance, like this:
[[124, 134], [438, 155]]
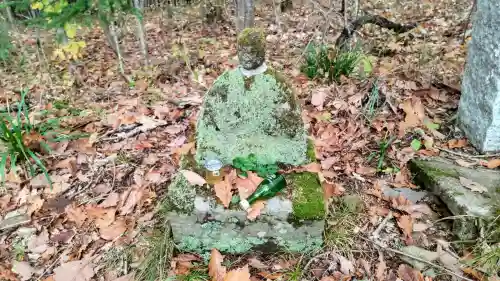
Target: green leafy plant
[[22, 140], [416, 144], [251, 163], [380, 155], [331, 63]]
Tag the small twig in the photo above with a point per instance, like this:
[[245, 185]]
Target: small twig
[[304, 270], [418, 259], [467, 155], [91, 183], [376, 233], [48, 268], [136, 131]]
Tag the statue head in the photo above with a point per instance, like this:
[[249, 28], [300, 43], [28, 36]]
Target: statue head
[[251, 48]]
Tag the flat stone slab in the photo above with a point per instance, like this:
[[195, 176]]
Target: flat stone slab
[[442, 177], [199, 223]]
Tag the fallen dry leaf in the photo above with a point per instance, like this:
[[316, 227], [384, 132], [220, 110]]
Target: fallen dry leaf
[[183, 267], [454, 143], [193, 178], [215, 268], [7, 274], [419, 227], [184, 149], [39, 243], [346, 266], [223, 191], [405, 223], [134, 196], [68, 163], [240, 274], [381, 268], [415, 114], [76, 214], [81, 270], [332, 189], [187, 257], [102, 217], [247, 186], [256, 263], [255, 209], [23, 269], [111, 200], [114, 230], [366, 170], [406, 273], [270, 276], [35, 204], [318, 98], [493, 163], [311, 167], [473, 186]]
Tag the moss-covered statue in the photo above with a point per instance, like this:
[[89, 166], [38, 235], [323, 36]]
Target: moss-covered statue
[[251, 109]]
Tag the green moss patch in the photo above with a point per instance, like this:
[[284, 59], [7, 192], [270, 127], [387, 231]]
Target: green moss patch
[[307, 196], [311, 152]]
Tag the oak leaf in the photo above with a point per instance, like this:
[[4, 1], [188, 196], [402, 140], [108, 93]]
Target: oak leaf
[[223, 191], [193, 178], [113, 231], [493, 163], [255, 209], [240, 274], [215, 268]]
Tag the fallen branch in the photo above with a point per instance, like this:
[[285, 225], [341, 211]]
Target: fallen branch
[[145, 127], [473, 157], [373, 19], [417, 259], [376, 233]]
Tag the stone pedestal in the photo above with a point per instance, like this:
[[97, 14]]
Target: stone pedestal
[[442, 177], [291, 222], [479, 109]]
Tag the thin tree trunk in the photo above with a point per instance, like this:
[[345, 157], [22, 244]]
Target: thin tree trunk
[[112, 31], [141, 34], [249, 13], [244, 14]]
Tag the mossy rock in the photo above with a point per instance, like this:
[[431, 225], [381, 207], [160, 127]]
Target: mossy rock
[[256, 115], [307, 196], [251, 48], [442, 178]]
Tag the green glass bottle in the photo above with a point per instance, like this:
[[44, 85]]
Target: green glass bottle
[[268, 188]]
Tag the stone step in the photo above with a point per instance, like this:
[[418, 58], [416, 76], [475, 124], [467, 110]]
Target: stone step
[[442, 177], [291, 222]]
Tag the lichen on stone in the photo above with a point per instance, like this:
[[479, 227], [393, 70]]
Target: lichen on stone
[[307, 196], [251, 48], [180, 195], [260, 116]]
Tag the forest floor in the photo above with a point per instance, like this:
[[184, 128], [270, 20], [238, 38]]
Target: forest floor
[[94, 223]]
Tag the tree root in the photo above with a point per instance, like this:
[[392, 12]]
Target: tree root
[[373, 19]]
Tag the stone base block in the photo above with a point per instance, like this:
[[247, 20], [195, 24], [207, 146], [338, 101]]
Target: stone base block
[[200, 223]]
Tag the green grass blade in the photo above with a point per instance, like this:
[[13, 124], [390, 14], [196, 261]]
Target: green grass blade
[[3, 161], [41, 165]]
